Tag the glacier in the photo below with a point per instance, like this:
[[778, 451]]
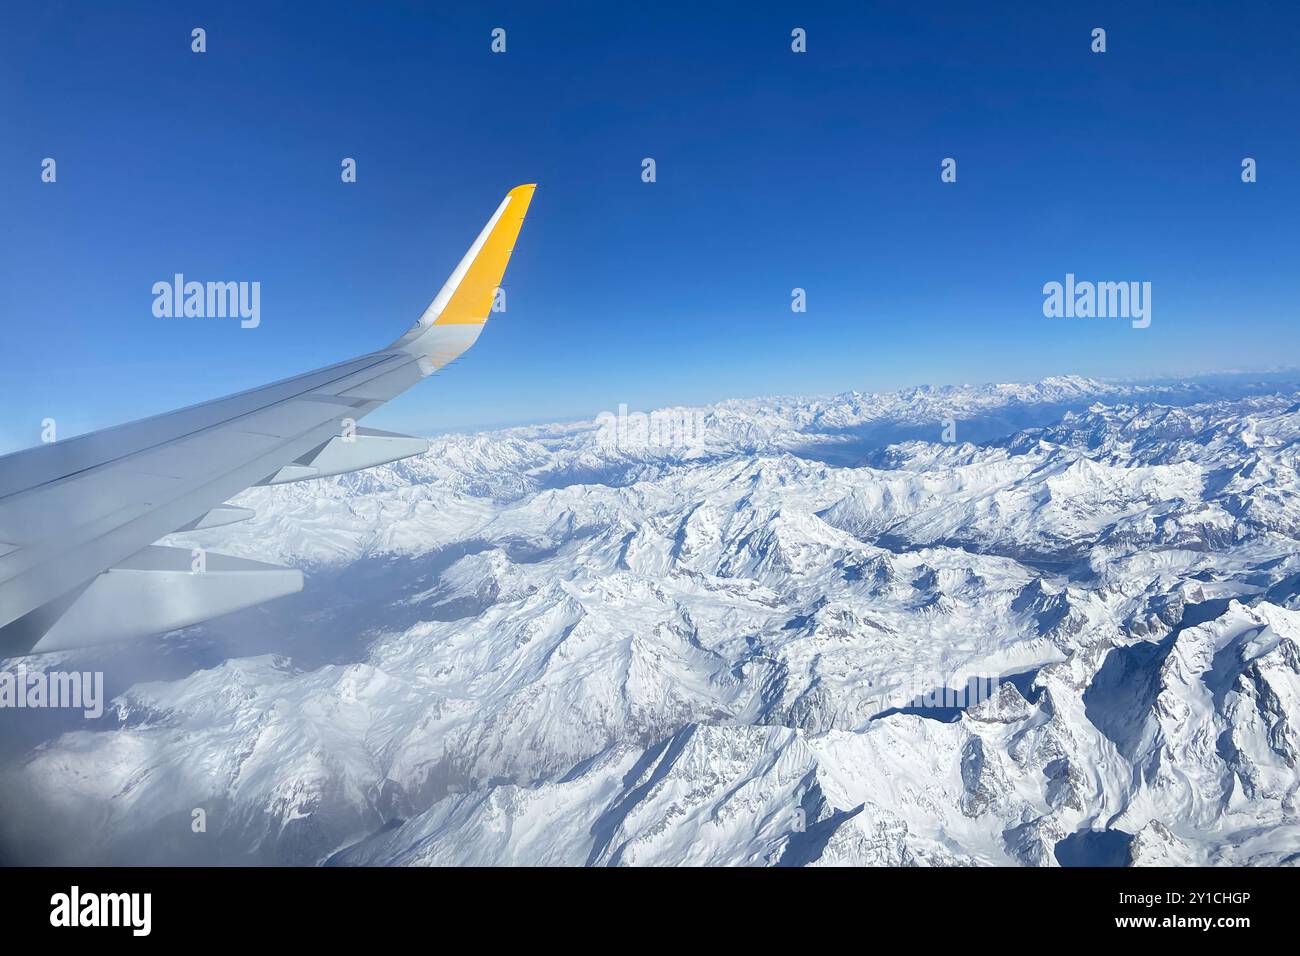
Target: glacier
[[532, 647]]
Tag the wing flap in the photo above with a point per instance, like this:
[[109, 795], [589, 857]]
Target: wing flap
[[158, 589], [358, 449]]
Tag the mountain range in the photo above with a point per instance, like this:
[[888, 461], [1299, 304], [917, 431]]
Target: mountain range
[[1044, 624]]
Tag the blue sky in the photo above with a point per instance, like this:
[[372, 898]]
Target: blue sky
[[775, 170]]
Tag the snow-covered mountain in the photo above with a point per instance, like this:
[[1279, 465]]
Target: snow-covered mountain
[[1012, 624]]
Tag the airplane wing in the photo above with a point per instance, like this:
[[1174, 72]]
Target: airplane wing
[[78, 518]]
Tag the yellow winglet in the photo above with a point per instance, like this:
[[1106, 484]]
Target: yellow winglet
[[471, 299]]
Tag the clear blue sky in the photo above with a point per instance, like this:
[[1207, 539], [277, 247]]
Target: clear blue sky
[[775, 170]]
